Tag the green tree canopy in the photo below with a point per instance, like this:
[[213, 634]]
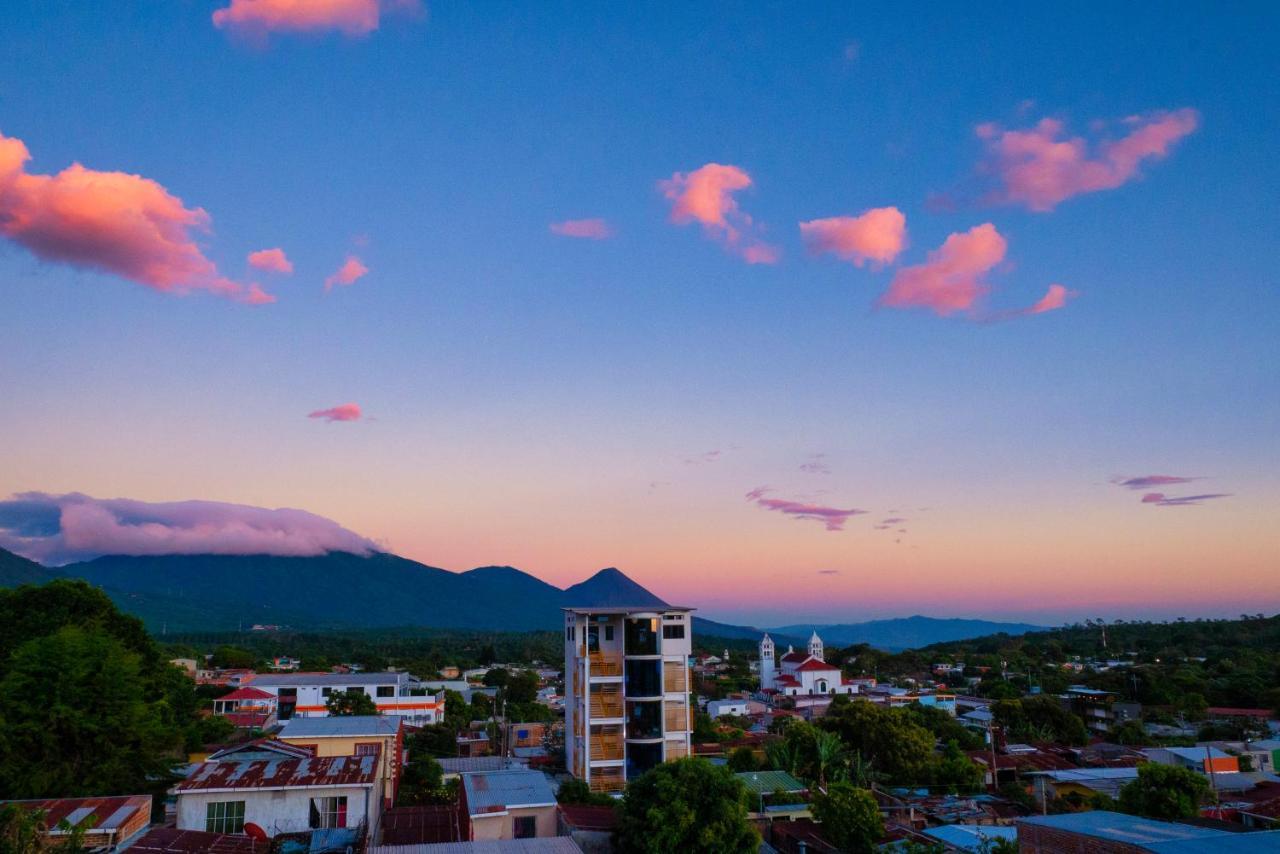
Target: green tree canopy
[[1164, 791], [78, 717], [897, 748], [957, 772], [353, 701], [850, 818], [688, 805]]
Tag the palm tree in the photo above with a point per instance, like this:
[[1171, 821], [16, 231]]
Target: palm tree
[[782, 756], [829, 757]]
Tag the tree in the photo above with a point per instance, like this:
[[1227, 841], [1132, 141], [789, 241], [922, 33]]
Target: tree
[[22, 832], [850, 818], [1129, 732], [958, 772], [688, 805], [522, 687], [351, 702], [896, 747], [741, 760], [227, 656], [496, 677], [575, 791], [77, 717], [1164, 791], [422, 782]]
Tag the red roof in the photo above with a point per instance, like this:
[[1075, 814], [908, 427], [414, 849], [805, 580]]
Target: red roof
[[247, 720], [1230, 712], [248, 693], [786, 680], [813, 665], [795, 656], [261, 774], [95, 815], [423, 825], [585, 817], [170, 840]]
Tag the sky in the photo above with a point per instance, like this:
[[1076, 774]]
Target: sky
[[817, 313]]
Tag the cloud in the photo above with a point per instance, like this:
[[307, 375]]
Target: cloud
[[350, 270], [832, 517], [591, 229], [353, 18], [271, 260], [951, 280], [704, 457], [816, 464], [1041, 167], [1161, 500], [1147, 481], [110, 221], [58, 529], [875, 236], [1054, 298], [705, 196], [828, 572], [341, 412]]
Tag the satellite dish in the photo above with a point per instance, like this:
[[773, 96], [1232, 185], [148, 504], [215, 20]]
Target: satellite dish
[[253, 831]]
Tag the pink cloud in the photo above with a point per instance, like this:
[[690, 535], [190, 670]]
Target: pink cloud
[[816, 464], [1042, 167], [951, 280], [1056, 297], [342, 412], [1161, 500], [352, 18], [875, 236], [1147, 481], [58, 529], [111, 221], [832, 517], [705, 196], [591, 229], [350, 270], [271, 260]]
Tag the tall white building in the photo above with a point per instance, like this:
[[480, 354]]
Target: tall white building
[[626, 691], [801, 673]]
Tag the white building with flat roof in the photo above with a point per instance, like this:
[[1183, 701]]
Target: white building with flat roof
[[305, 694], [626, 690]]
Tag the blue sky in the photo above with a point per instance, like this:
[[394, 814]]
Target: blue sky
[[530, 398]]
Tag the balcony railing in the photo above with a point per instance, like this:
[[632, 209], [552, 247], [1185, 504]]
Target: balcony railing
[[603, 664], [677, 717], [606, 743], [607, 780], [606, 702], [675, 677]]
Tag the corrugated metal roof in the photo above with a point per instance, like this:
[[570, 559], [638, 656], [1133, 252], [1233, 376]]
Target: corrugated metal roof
[[1267, 842], [104, 814], [280, 773], [767, 782], [170, 840], [471, 764], [970, 837], [545, 845], [1118, 827], [495, 791], [339, 725]]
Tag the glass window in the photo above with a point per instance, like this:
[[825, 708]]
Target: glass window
[[325, 692], [368, 748], [386, 690], [608, 633], [673, 632], [525, 826], [328, 812], [224, 817], [642, 636]]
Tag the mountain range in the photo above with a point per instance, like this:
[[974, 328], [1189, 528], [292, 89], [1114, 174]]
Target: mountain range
[[340, 590]]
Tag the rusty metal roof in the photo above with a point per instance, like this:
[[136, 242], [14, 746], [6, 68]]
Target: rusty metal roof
[[283, 773], [170, 840], [95, 815]]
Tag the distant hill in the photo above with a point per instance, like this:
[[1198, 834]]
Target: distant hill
[[15, 570], [339, 590], [905, 632]]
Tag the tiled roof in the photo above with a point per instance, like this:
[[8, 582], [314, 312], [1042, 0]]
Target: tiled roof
[[814, 665], [497, 791], [247, 720], [275, 774], [588, 817], [247, 693], [796, 657]]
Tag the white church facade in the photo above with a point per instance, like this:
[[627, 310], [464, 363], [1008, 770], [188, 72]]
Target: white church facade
[[801, 673]]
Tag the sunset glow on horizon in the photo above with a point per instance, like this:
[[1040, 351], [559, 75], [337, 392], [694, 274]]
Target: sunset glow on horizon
[[983, 326]]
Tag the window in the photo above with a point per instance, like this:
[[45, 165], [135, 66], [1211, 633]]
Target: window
[[672, 632], [288, 694], [328, 812], [325, 692], [608, 633], [386, 690], [224, 817], [525, 826], [368, 748]]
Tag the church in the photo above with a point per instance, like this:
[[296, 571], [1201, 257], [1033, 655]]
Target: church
[[801, 673]]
